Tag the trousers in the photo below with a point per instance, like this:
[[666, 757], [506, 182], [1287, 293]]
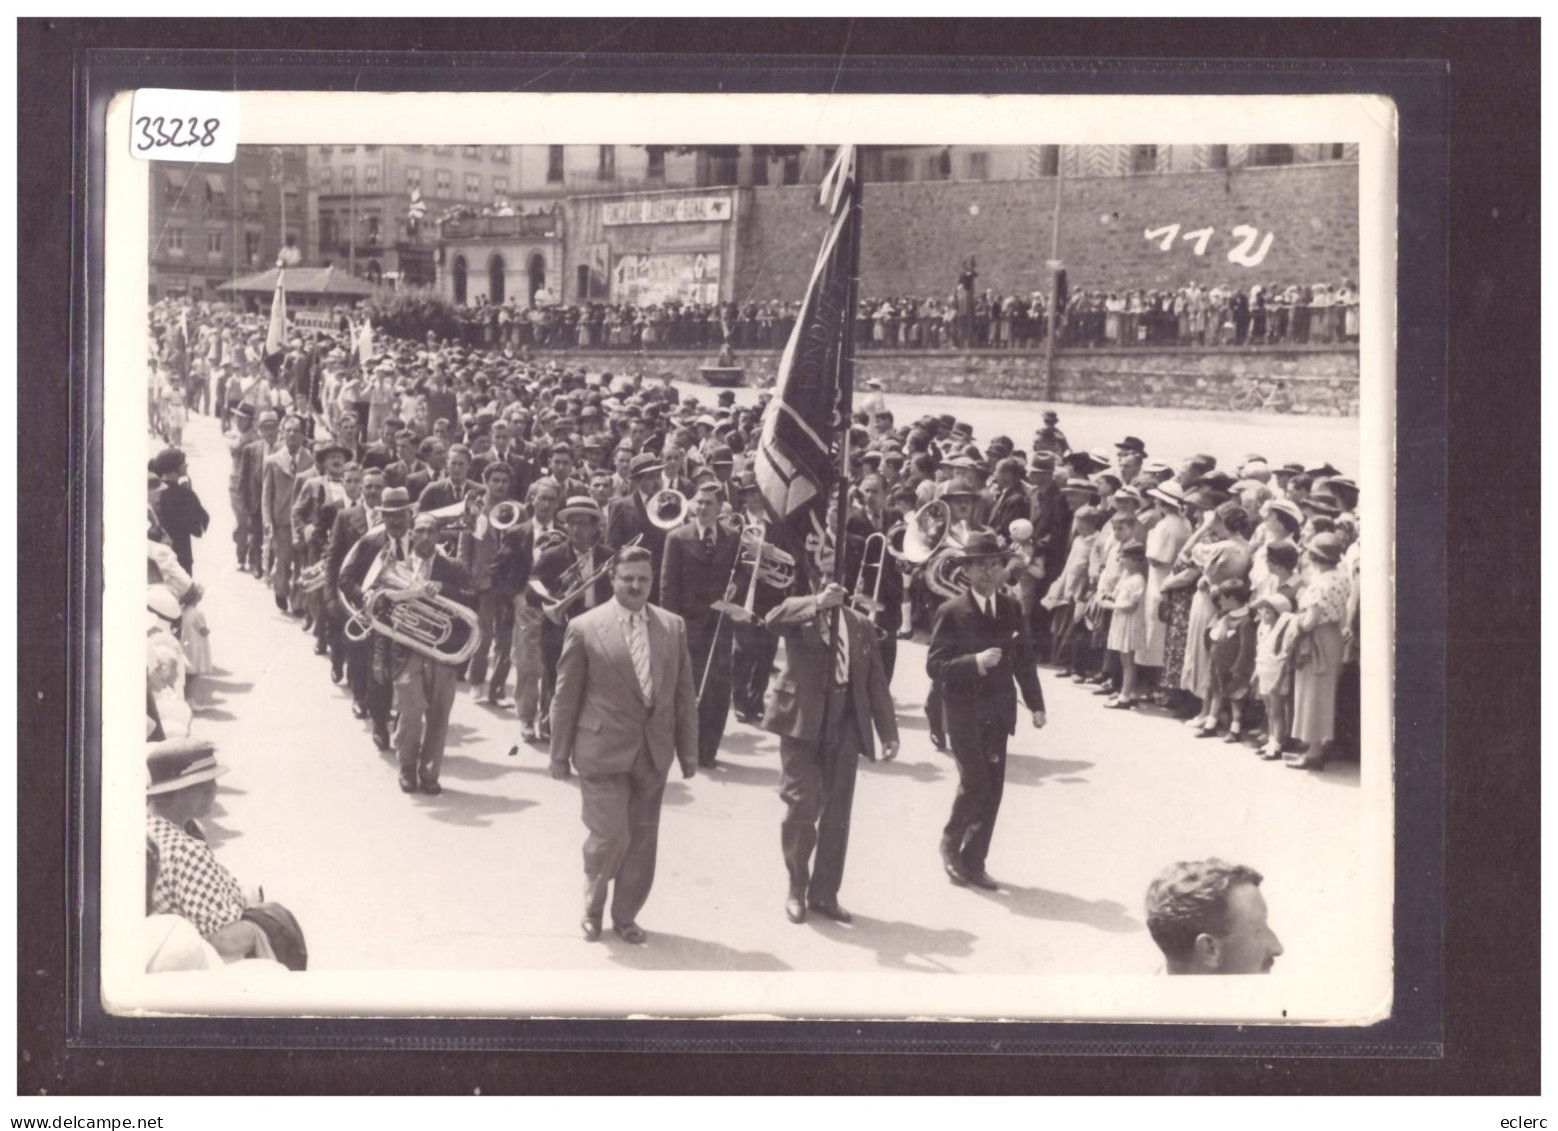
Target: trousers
[[622, 816], [241, 539], [532, 698], [981, 781], [714, 699], [751, 666], [494, 634], [424, 695], [817, 786]]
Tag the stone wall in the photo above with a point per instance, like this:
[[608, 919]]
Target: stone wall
[[1322, 381], [917, 234]]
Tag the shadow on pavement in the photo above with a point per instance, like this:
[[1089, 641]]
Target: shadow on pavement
[[746, 742], [913, 722], [466, 768], [898, 768], [1037, 903], [678, 952], [676, 793], [458, 807], [734, 773], [214, 714], [900, 945], [226, 687], [1029, 769]]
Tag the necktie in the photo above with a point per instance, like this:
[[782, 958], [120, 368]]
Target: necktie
[[990, 607], [708, 540], [638, 645], [841, 654]]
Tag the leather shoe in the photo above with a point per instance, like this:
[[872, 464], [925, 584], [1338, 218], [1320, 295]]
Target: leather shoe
[[337, 673], [308, 623], [591, 929], [432, 788], [795, 909], [408, 785], [381, 740], [358, 710], [281, 603], [322, 649], [830, 909], [939, 741], [981, 879], [630, 933]]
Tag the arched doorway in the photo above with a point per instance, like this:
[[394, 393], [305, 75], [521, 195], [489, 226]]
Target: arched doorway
[[495, 278], [458, 271], [537, 275]]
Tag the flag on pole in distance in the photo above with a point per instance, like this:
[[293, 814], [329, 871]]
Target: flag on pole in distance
[[276, 338], [795, 463]]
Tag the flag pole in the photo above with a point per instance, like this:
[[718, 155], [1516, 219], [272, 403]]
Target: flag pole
[[847, 382]]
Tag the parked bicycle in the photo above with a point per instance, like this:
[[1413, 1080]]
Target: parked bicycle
[[1251, 396]]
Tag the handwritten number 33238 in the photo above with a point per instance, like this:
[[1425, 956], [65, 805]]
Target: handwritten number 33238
[[177, 133]]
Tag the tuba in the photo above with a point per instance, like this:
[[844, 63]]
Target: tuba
[[668, 508], [505, 516], [932, 542], [396, 607]]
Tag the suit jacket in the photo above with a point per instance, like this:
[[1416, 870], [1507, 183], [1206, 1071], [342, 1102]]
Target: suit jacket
[[279, 486], [309, 523], [251, 472], [692, 579], [796, 702], [347, 526], [376, 455], [516, 558], [626, 517], [453, 577], [442, 493], [600, 718], [1051, 528], [961, 631], [552, 565], [1009, 506]]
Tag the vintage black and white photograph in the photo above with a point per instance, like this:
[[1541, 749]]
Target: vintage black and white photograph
[[784, 556]]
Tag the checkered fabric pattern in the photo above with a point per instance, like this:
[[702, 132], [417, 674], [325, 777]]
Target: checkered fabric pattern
[[190, 882]]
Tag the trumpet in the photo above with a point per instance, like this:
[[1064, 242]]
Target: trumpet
[[668, 508], [396, 607]]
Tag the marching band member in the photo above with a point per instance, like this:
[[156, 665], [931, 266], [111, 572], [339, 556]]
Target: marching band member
[[278, 489], [351, 521], [310, 533], [755, 647], [563, 568], [874, 516], [824, 704], [479, 549], [391, 541], [628, 517], [511, 571], [979, 645], [699, 563]]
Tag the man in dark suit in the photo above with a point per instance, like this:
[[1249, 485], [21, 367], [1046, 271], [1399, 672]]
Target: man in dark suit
[[625, 707], [823, 706], [350, 523], [251, 485], [628, 516], [390, 541], [283, 470], [383, 451], [311, 529], [1051, 515], [563, 568], [699, 560], [979, 646], [511, 571], [874, 516], [454, 486]]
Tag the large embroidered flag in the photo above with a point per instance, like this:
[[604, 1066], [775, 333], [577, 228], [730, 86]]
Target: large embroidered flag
[[276, 339], [797, 457]]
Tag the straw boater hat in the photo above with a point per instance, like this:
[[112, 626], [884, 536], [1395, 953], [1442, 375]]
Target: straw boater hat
[[580, 506], [1169, 491], [180, 763]]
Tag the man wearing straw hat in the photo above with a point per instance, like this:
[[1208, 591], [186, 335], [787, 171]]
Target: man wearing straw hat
[[979, 646]]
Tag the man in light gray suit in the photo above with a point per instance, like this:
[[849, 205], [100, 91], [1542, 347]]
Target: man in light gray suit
[[624, 707]]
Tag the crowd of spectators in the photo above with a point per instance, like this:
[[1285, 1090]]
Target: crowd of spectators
[[1264, 314]]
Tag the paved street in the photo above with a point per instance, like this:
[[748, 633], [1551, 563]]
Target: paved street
[[488, 874]]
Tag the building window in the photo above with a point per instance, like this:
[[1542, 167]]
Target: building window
[[373, 229], [898, 167], [1049, 160], [251, 247], [500, 154], [251, 190], [978, 167], [216, 191], [1338, 150], [554, 164], [325, 151], [443, 181], [1271, 155], [413, 177], [349, 176], [792, 167], [473, 187], [326, 177], [289, 197], [722, 164], [607, 163], [370, 179], [656, 170], [500, 186], [473, 151], [175, 241], [326, 232], [214, 244], [348, 149], [939, 167], [444, 149], [1144, 159], [1217, 157], [372, 148], [761, 155]]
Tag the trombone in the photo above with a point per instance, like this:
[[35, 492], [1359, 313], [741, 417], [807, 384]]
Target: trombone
[[554, 609], [870, 606]]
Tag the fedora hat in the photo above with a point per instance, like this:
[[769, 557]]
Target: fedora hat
[[580, 506], [1326, 547], [1131, 444], [1322, 503], [165, 462], [1080, 485], [179, 763], [395, 500], [644, 463], [325, 449], [1284, 506]]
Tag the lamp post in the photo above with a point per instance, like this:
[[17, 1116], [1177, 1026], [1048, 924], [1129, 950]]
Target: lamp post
[[1052, 317]]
